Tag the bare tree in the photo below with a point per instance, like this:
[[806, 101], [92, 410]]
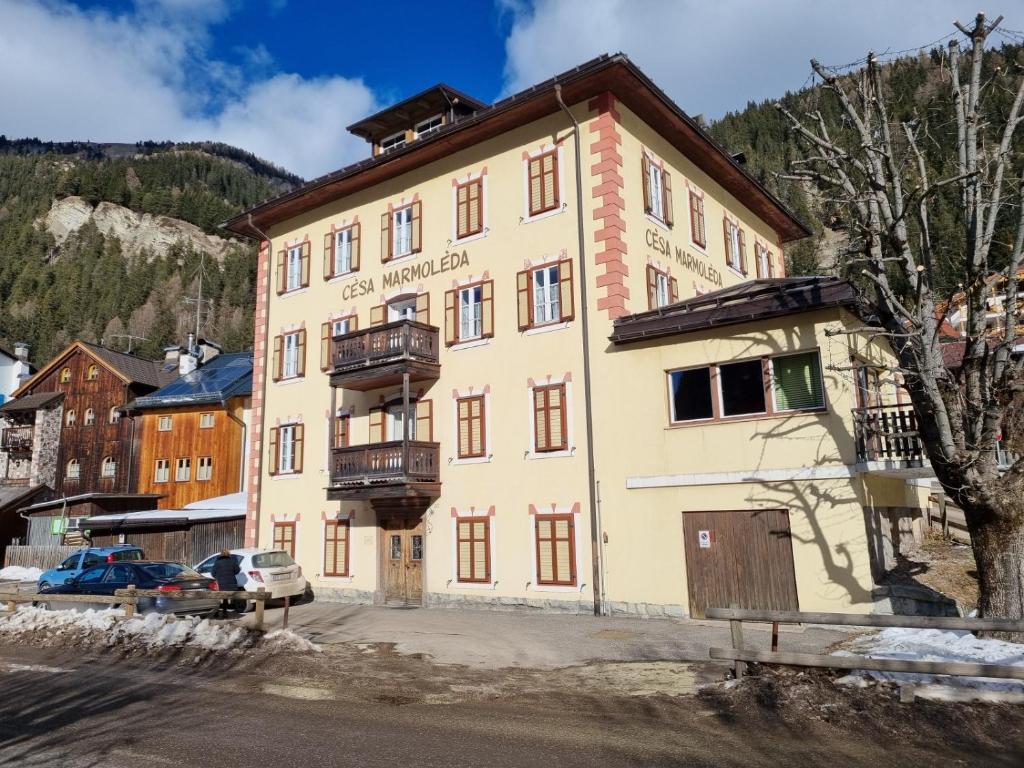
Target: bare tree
[[876, 173]]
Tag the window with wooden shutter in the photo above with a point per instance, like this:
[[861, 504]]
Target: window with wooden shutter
[[487, 309], [469, 209], [341, 251], [282, 279], [300, 352], [424, 410], [697, 231], [474, 549], [667, 213], [423, 308], [472, 436], [417, 227], [542, 172], [298, 442], [568, 306], [278, 358], [284, 537], [549, 418], [645, 178], [741, 244], [377, 425], [556, 550], [273, 452], [342, 438], [377, 314], [386, 240], [325, 346], [336, 537], [329, 247], [451, 318], [525, 305]]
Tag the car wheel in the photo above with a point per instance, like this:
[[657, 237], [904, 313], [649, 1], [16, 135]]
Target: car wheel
[[243, 606], [44, 585], [44, 605]]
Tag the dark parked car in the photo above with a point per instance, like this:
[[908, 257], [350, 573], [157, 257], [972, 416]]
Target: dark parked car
[[163, 576]]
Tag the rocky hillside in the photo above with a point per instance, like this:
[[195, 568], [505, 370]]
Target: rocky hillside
[[104, 241]]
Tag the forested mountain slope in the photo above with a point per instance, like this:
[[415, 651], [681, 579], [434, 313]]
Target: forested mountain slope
[[98, 241]]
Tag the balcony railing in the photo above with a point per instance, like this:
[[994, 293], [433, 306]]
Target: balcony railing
[[888, 433], [391, 463], [17, 439], [381, 344]]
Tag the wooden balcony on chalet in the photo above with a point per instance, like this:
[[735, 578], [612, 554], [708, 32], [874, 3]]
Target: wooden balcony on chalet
[[888, 441], [17, 440], [379, 356], [385, 470]]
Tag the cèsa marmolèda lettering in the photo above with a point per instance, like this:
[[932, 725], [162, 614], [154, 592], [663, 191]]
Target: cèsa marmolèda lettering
[[414, 272]]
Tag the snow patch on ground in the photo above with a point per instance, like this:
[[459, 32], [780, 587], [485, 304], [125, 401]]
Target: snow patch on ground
[[17, 573], [938, 645], [152, 631]]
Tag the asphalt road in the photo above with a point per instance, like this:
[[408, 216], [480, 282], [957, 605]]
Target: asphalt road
[[58, 708]]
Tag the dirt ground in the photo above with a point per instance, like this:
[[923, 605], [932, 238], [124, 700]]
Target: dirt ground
[[945, 566]]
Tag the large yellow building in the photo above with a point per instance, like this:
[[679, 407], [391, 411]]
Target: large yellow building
[[543, 353]]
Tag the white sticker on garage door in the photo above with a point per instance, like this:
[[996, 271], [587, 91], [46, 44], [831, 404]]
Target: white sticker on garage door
[[704, 539]]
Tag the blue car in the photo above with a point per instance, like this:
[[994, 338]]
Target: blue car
[[87, 558]]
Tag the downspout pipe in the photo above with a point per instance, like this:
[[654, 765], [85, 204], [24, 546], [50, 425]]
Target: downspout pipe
[[595, 533], [264, 237]]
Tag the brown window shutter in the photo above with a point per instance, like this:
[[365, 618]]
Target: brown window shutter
[[487, 309], [557, 439], [645, 170], [355, 246], [465, 427], [281, 257], [551, 192], [353, 323], [329, 244], [743, 251], [652, 287], [540, 419], [299, 431], [272, 455], [325, 346], [425, 421], [730, 257], [673, 288], [376, 425], [462, 211], [770, 261], [535, 185], [523, 298], [476, 207], [693, 218], [666, 198], [417, 227], [300, 353], [278, 357], [377, 314], [307, 249], [566, 298], [423, 308], [386, 241], [451, 328]]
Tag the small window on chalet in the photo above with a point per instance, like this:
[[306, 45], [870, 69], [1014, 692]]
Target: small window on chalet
[[469, 209], [65, 375], [92, 373], [549, 419], [393, 142], [545, 295], [469, 313], [206, 420], [471, 437], [401, 231], [115, 415], [341, 251], [205, 469], [556, 550], [662, 288], [162, 471], [164, 424], [109, 467], [90, 417], [342, 436], [474, 549], [429, 126], [293, 268], [797, 383], [765, 262], [70, 418], [657, 190], [183, 470], [742, 386], [690, 391], [698, 232], [735, 245], [74, 469], [336, 534], [542, 183], [284, 537]]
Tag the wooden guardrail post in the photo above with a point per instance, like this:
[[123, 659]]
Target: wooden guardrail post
[[130, 602], [261, 598], [736, 630], [12, 606], [943, 516]]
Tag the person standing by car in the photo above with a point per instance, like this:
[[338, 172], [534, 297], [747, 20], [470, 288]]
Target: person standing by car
[[224, 571]]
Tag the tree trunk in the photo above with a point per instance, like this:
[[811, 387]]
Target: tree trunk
[[998, 546]]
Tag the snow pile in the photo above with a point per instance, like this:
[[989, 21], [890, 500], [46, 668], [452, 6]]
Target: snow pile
[[150, 631], [17, 573], [938, 645]]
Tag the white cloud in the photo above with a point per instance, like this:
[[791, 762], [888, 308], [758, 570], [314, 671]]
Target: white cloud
[[147, 74], [712, 57]]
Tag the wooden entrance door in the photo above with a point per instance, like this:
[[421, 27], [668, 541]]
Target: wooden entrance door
[[739, 557], [402, 557]]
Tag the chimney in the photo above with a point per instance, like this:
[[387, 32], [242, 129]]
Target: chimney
[[186, 363], [207, 350], [171, 355], [21, 351]]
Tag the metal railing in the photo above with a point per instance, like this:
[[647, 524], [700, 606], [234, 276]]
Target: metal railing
[[390, 462], [887, 433], [380, 344], [17, 439]]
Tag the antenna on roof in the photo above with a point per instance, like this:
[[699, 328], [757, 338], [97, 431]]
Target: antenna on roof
[[129, 336], [198, 301]]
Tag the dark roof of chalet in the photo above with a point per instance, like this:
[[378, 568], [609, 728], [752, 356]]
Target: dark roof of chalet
[[606, 73], [31, 402], [11, 495], [747, 302], [97, 496], [139, 370], [436, 98], [224, 377]]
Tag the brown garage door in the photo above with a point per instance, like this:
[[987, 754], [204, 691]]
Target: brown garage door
[[739, 557]]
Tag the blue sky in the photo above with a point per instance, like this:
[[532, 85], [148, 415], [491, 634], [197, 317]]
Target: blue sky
[[282, 78]]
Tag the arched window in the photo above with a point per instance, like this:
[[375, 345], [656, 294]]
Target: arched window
[[90, 417], [115, 415], [74, 469], [109, 467], [65, 375], [69, 418], [92, 373]]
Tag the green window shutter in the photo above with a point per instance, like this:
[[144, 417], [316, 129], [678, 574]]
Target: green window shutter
[[797, 382]]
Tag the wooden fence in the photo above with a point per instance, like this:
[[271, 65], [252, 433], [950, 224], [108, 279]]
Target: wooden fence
[[950, 519], [37, 557], [740, 655], [128, 599]]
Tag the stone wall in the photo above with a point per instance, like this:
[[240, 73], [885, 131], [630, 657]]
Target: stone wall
[[46, 447]]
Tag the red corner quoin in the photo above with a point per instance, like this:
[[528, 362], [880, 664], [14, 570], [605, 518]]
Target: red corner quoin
[[258, 376], [606, 172]]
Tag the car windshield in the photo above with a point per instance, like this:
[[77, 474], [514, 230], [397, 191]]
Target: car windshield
[[272, 560], [170, 571]]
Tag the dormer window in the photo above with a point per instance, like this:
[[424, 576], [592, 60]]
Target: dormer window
[[391, 143], [429, 126]]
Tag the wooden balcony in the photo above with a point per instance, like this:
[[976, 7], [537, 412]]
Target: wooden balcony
[[17, 439], [385, 470], [888, 441], [379, 356]]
